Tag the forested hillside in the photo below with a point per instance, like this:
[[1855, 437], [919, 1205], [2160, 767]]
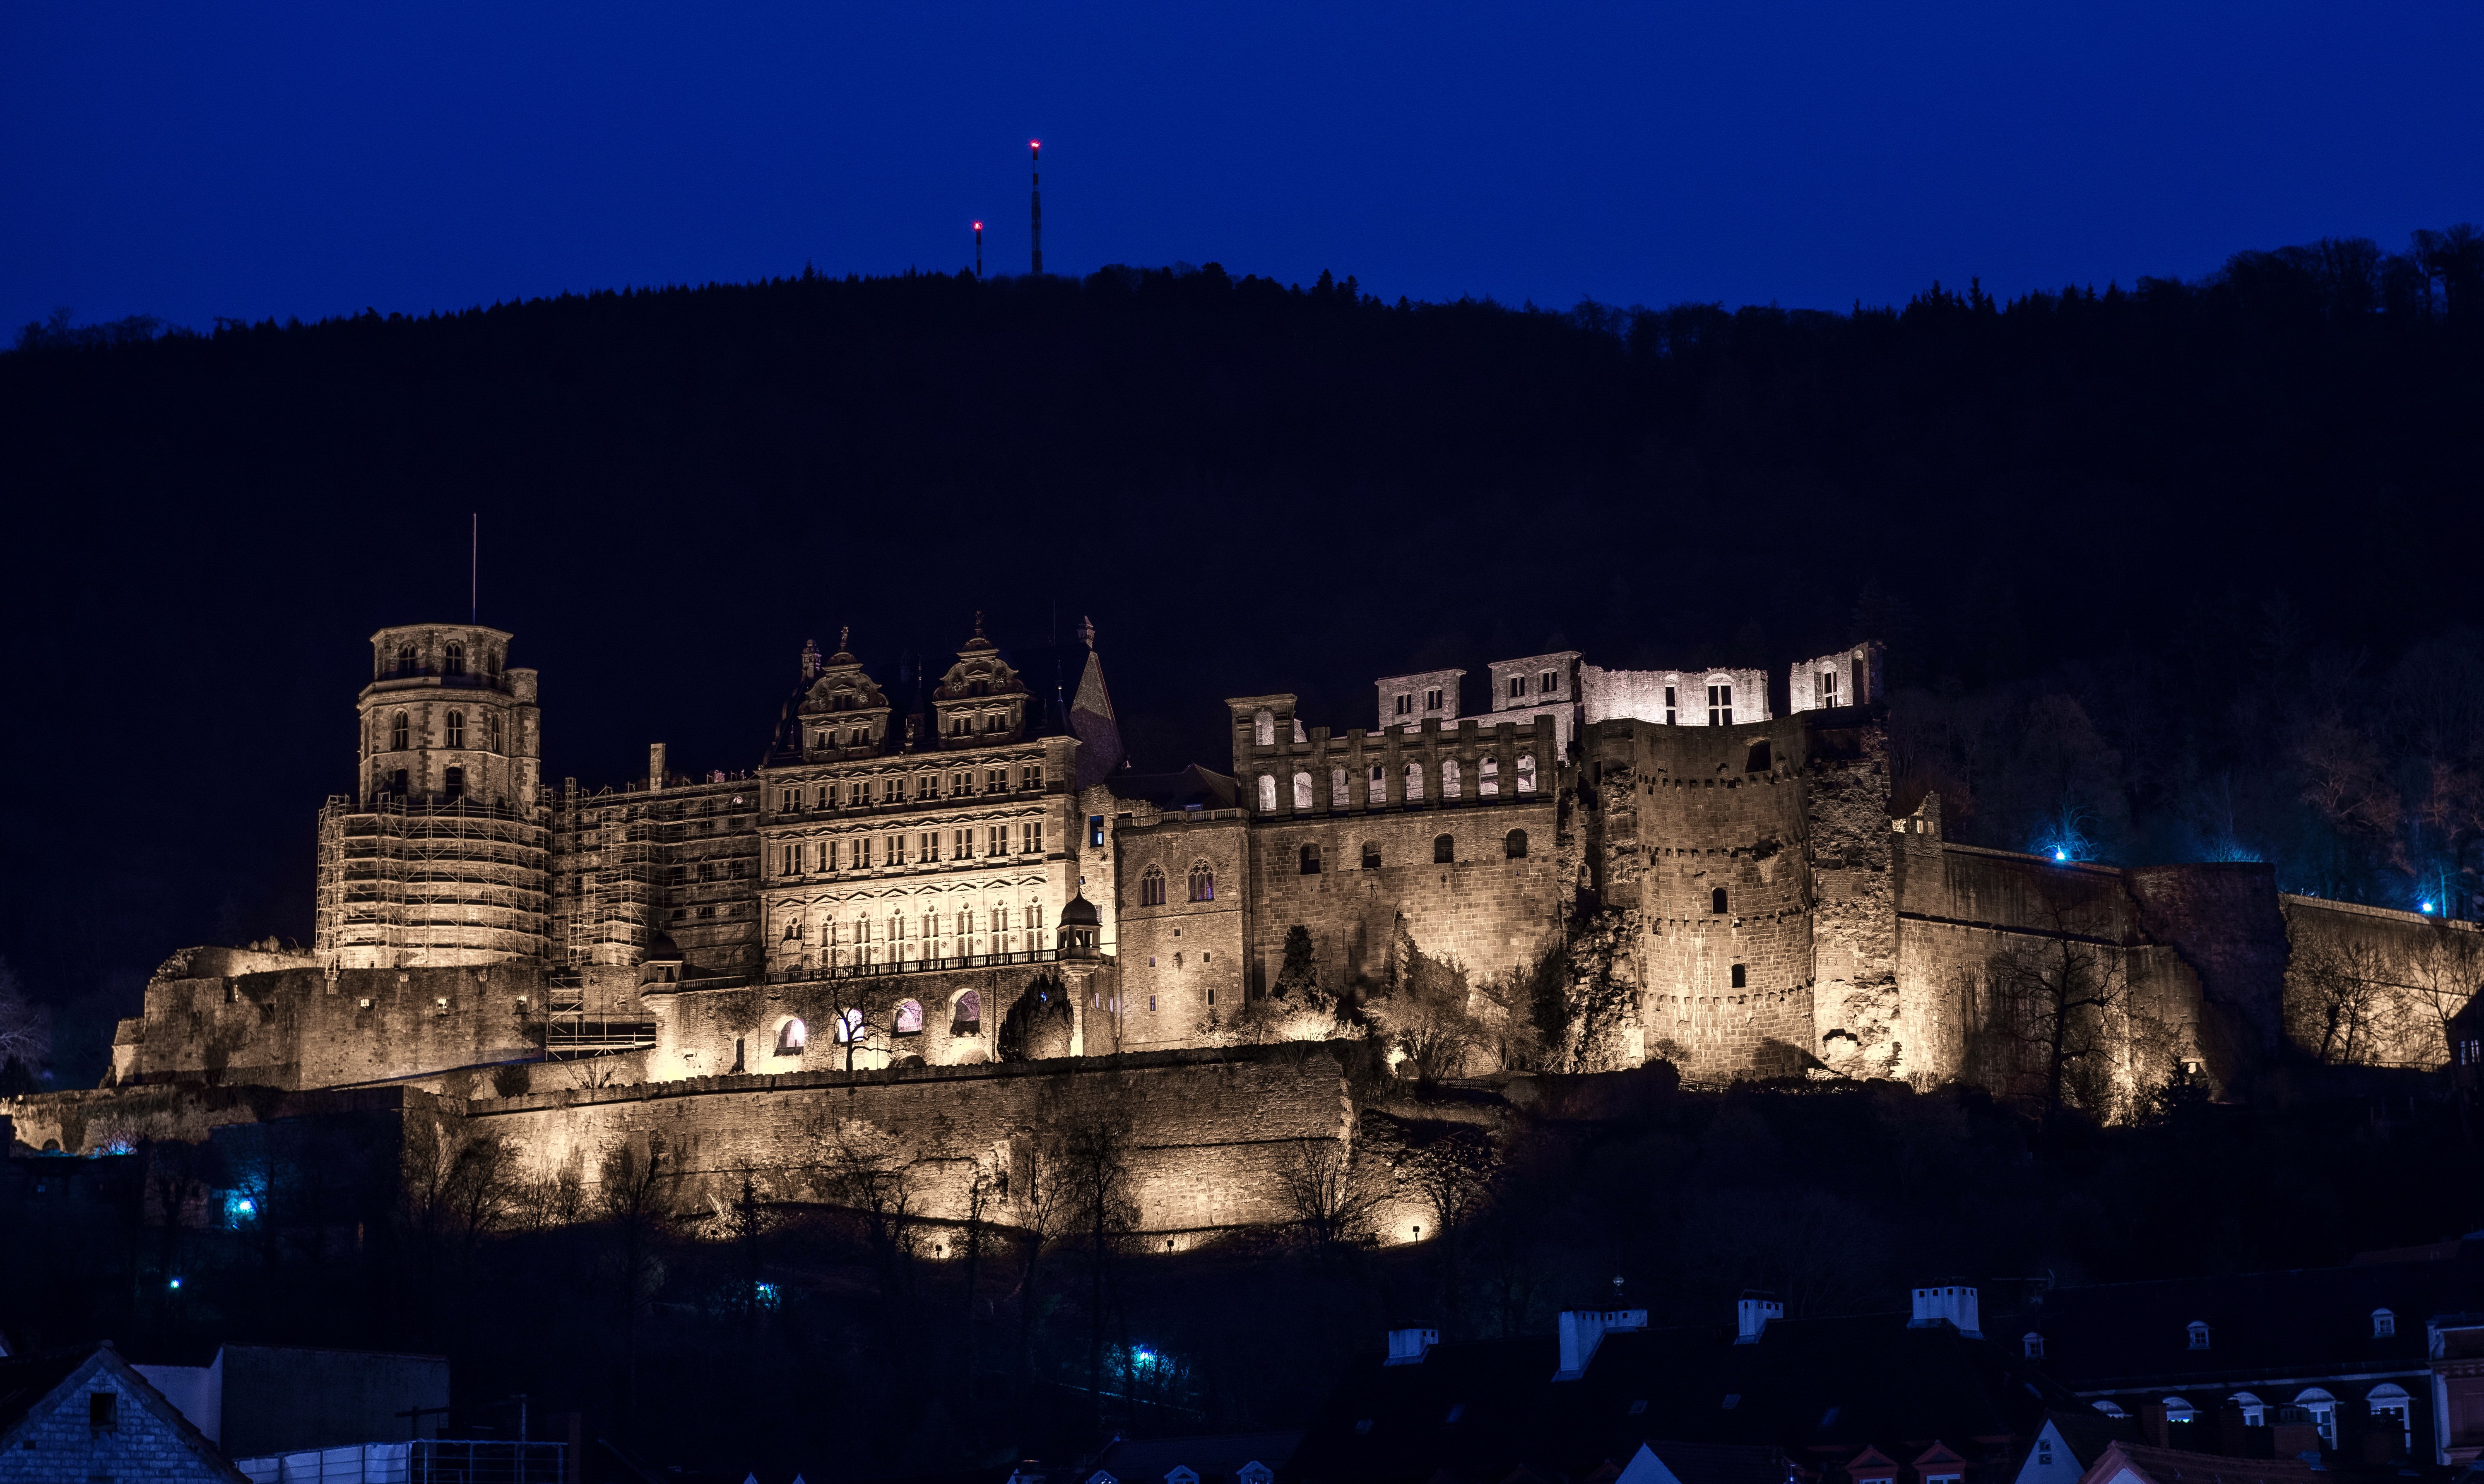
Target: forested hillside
[[2167, 571]]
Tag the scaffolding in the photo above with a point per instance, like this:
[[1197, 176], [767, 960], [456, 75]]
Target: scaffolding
[[410, 882]]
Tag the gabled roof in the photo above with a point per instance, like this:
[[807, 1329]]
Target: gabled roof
[[2290, 1323], [2138, 1464], [1215, 1458], [1193, 785], [1821, 1388], [28, 1382]]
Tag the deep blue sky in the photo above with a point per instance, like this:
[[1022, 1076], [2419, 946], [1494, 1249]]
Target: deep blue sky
[[248, 161]]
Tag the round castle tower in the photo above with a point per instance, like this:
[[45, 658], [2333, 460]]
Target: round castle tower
[[439, 855]]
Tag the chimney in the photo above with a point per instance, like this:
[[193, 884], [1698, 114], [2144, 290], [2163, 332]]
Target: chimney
[[1407, 1347], [2153, 1423], [1583, 1328], [1952, 1304], [655, 765], [1751, 1315]]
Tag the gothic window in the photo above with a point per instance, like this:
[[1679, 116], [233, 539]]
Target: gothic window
[[909, 1017], [405, 659], [1526, 773], [1371, 855], [792, 931], [1444, 849], [1717, 900], [491, 730], [1452, 782], [1721, 705], [1267, 792], [968, 1017], [1264, 727], [1302, 791], [1151, 888], [452, 660], [1489, 783], [398, 732], [789, 1037], [1311, 860], [1203, 882], [453, 782], [456, 729], [850, 1027], [1515, 844], [1413, 781]]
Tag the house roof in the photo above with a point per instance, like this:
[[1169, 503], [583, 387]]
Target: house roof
[[1820, 1389], [2303, 1321], [1192, 785], [2173, 1465], [28, 1382], [26, 1379], [1214, 1458]]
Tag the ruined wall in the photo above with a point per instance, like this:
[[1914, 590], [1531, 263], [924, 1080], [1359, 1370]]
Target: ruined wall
[[1684, 814], [2374, 987], [1639, 696], [1210, 1130], [740, 1029], [297, 1027], [1853, 917]]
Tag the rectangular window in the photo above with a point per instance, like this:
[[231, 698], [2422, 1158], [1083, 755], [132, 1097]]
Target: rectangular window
[[996, 780], [1720, 706], [1431, 700], [857, 793], [862, 852], [1379, 790], [1030, 839], [961, 784], [1828, 687], [888, 790], [926, 785], [1031, 776], [1516, 686], [1548, 683], [962, 844], [897, 850], [996, 840], [929, 845], [1096, 829], [1668, 706], [1405, 706]]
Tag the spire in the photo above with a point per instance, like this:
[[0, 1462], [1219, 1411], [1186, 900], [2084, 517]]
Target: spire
[[1087, 631]]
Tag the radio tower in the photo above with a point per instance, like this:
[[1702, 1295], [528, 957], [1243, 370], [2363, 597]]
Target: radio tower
[[979, 250], [1035, 203]]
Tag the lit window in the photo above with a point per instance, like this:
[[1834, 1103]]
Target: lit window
[[1203, 882], [909, 1017], [850, 1025], [2254, 1411], [789, 1037], [969, 1011], [1720, 706], [1828, 687], [2110, 1410]]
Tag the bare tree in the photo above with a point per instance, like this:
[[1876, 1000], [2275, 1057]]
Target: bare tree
[[2056, 1022], [2338, 1002], [1329, 1193], [1085, 1151], [1452, 1169], [633, 1203], [870, 1173], [2443, 976]]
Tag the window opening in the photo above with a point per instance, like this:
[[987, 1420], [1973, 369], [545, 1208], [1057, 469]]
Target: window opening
[[456, 729], [452, 660], [1444, 849], [789, 1037], [1151, 888], [1311, 860], [910, 1016], [1720, 706], [1717, 900], [1202, 883], [1514, 846], [1370, 856]]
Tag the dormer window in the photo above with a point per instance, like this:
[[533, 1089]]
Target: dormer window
[[2198, 1330], [2384, 1324], [2032, 1344]]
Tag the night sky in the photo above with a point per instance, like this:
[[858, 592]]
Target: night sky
[[312, 160]]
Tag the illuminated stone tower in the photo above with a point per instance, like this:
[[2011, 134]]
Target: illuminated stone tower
[[439, 855]]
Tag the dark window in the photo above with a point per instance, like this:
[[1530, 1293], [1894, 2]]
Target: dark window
[[457, 729], [1516, 686], [452, 782], [452, 662], [969, 1011], [1720, 706], [1717, 900], [405, 659], [1370, 856], [1311, 860], [102, 1410], [1668, 706], [1740, 973], [1444, 849], [1151, 888], [1515, 846], [397, 783], [400, 731], [1202, 883], [1760, 760]]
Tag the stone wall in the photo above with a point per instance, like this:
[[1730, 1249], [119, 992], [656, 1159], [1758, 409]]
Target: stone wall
[[740, 1029], [299, 1027], [1639, 696], [1182, 963], [2370, 987]]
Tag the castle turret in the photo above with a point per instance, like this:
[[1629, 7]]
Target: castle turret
[[438, 857]]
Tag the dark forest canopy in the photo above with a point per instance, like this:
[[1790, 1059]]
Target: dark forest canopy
[[2166, 572]]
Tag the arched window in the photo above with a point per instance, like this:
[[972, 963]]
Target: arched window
[[1526, 773], [1489, 775], [1264, 727], [2254, 1411], [1267, 792], [1452, 780], [1444, 849], [1377, 795], [491, 730], [1311, 860], [1413, 781], [2177, 1410], [399, 732], [457, 729], [1203, 882], [2384, 1324], [849, 1028], [1302, 791], [1742, 976], [405, 659], [1717, 900], [2323, 1407], [452, 660], [1371, 855], [452, 782], [969, 1015], [1515, 844], [2391, 1401], [789, 1037], [1151, 888], [909, 1017]]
